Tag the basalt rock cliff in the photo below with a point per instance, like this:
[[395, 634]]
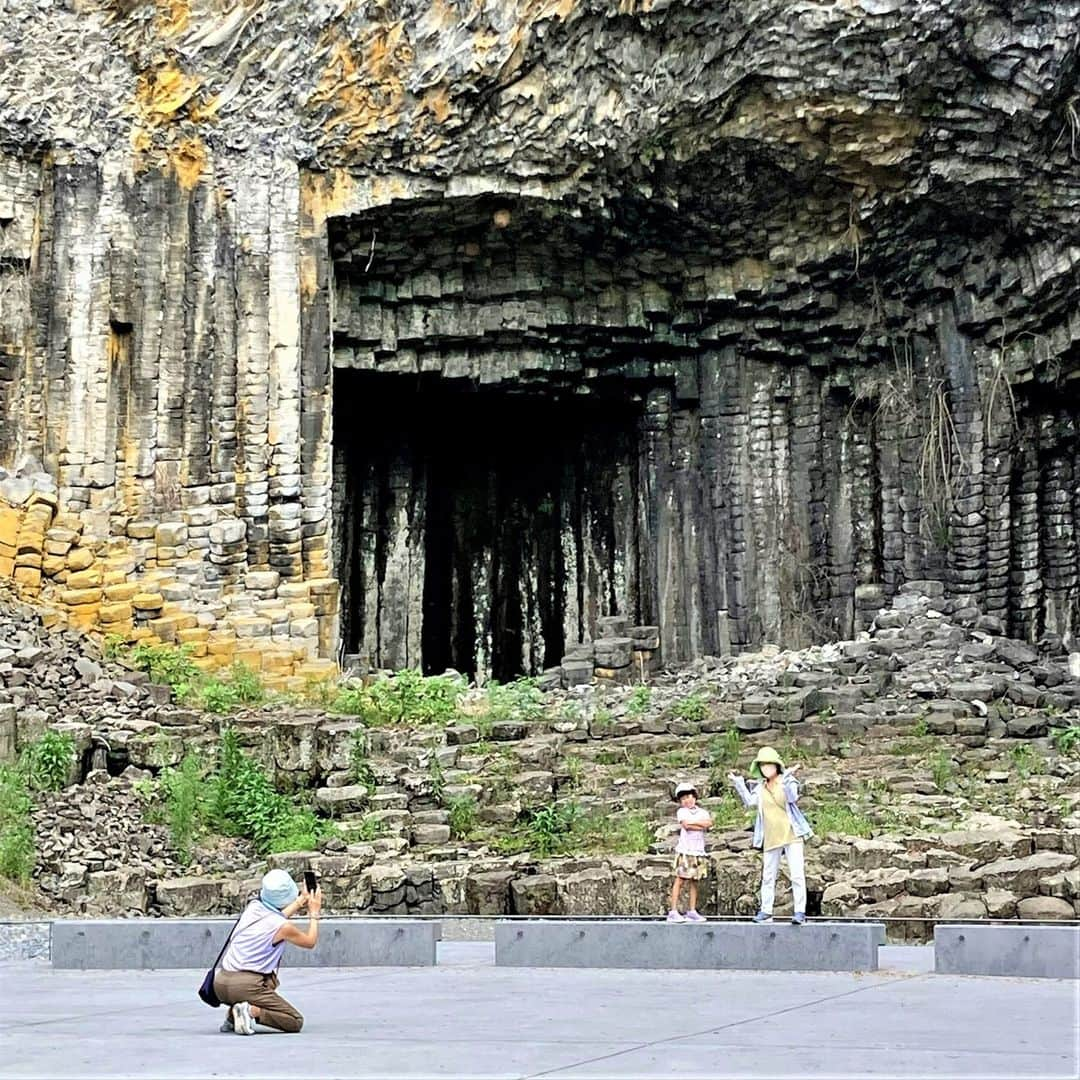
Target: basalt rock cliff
[[435, 331]]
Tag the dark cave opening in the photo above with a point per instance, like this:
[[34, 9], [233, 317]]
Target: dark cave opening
[[480, 514]]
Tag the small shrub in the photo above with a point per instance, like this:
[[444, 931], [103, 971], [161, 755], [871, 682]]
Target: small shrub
[[360, 771], [242, 686], [941, 769], [437, 777], [410, 697], [551, 828], [722, 757], [406, 697], [833, 815], [185, 798], [639, 702], [519, 701], [47, 763], [16, 826], [352, 700], [919, 729], [693, 708], [727, 810], [575, 769], [1067, 740], [370, 828], [246, 803], [170, 666], [631, 835], [114, 647], [1026, 761], [463, 816], [570, 711], [601, 722]]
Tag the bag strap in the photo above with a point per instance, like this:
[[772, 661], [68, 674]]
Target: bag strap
[[213, 966]]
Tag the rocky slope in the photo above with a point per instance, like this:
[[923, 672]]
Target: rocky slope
[[935, 763]]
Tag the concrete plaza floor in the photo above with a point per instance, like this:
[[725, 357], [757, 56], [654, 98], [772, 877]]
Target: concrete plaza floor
[[467, 1018]]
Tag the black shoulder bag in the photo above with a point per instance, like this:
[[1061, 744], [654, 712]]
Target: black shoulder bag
[[206, 990]]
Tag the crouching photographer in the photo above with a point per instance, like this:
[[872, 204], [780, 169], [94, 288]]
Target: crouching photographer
[[246, 976]]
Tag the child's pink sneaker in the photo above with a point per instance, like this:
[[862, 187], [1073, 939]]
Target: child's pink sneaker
[[674, 916], [693, 916]]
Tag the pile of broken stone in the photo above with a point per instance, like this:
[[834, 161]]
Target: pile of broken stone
[[926, 660]]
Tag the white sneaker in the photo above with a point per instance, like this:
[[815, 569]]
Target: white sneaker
[[674, 916], [243, 1021]]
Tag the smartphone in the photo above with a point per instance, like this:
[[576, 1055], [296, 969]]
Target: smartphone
[[311, 882]]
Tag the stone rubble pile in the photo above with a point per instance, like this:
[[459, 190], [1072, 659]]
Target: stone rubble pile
[[926, 670]]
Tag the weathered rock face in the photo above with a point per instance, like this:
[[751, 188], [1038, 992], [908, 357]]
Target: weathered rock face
[[322, 293]]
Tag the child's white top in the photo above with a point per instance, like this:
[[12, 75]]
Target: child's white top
[[691, 841]]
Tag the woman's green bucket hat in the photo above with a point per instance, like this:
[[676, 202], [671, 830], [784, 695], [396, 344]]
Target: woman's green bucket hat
[[765, 754]]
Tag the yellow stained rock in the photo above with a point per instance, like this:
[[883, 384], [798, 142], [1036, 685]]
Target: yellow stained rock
[[9, 527], [85, 579], [114, 613], [316, 669], [52, 565], [75, 597], [253, 658], [27, 576], [126, 590], [145, 601], [80, 558]]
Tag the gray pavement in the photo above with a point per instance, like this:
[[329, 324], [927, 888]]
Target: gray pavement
[[467, 1018]]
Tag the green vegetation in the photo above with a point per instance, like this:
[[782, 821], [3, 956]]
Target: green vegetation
[[722, 757], [47, 763], [601, 722], [186, 805], [246, 803], [941, 769], [834, 814], [1067, 740], [552, 830], [16, 827], [693, 708], [728, 812], [44, 765], [639, 702], [630, 835], [1026, 761], [437, 777], [360, 771], [519, 701], [236, 798], [173, 667], [406, 697], [242, 686], [463, 815], [575, 769]]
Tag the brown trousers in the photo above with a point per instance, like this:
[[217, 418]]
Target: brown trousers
[[232, 987]]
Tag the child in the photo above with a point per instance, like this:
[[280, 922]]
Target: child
[[780, 828], [690, 861]]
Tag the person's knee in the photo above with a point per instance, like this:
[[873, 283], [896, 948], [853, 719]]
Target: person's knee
[[297, 1023]]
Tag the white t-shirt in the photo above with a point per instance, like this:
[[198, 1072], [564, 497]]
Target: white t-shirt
[[691, 841]]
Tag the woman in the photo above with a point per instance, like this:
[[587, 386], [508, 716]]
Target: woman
[[779, 828], [247, 978]]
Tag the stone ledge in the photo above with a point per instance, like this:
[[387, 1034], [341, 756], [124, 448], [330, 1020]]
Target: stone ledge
[[138, 944], [1032, 952], [817, 946]]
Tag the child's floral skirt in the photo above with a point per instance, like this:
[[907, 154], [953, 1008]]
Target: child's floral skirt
[[691, 867]]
